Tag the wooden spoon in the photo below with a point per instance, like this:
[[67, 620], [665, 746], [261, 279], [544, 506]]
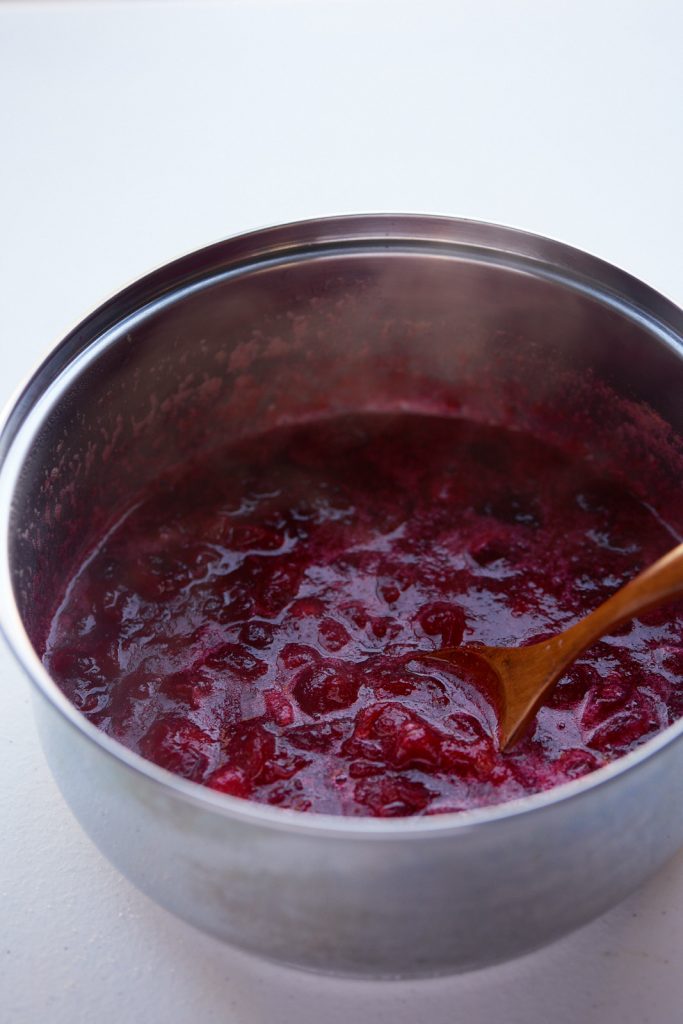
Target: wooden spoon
[[527, 674]]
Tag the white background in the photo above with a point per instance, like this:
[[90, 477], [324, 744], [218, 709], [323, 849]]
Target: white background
[[133, 131]]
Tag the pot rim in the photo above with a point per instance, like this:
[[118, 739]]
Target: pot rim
[[538, 255]]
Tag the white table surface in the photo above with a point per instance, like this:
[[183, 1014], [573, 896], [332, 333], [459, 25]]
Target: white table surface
[[133, 131]]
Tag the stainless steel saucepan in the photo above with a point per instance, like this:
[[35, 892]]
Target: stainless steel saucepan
[[288, 323]]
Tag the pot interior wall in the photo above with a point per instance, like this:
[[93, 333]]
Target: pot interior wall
[[298, 338]]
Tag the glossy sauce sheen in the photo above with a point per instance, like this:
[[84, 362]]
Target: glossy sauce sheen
[[259, 625]]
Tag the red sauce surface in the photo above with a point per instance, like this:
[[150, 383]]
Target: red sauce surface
[[259, 625]]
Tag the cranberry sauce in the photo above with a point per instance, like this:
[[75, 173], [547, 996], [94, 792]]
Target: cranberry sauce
[[259, 625]]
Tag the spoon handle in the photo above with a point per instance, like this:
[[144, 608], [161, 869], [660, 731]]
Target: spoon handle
[[660, 582]]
